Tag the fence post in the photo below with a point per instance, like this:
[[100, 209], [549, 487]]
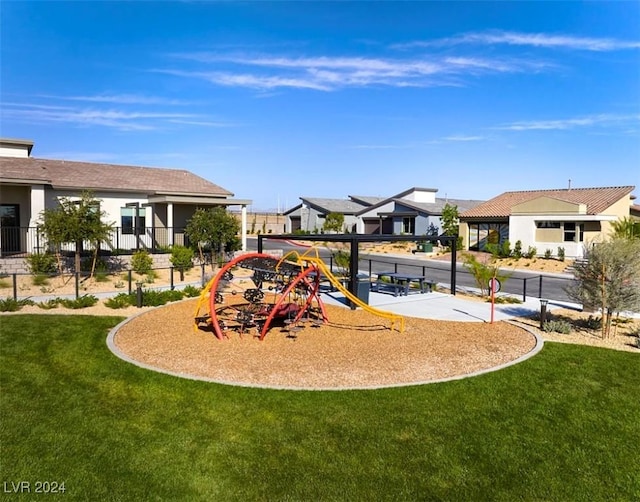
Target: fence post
[[202, 282], [540, 288], [77, 285], [524, 289], [15, 286], [129, 273], [171, 276]]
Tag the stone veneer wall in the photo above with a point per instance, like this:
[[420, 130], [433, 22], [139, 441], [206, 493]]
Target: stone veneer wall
[[19, 265]]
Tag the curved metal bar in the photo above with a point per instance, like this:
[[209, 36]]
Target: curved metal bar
[[213, 286]]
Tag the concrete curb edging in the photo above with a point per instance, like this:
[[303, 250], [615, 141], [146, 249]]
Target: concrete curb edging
[[118, 353]]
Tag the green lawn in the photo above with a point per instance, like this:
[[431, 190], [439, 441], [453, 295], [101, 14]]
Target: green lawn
[[563, 426]]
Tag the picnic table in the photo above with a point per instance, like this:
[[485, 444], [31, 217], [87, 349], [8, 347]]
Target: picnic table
[[400, 283]]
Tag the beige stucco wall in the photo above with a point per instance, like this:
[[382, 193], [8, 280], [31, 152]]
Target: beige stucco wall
[[548, 206], [549, 235], [463, 231]]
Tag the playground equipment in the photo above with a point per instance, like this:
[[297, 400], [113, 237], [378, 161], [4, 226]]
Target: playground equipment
[[256, 290]]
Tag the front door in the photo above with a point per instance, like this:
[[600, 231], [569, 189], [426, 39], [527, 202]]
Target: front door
[[9, 228]]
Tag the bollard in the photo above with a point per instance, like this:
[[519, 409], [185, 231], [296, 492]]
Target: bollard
[[139, 294], [543, 312]]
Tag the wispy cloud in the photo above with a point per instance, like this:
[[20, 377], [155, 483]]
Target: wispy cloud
[[541, 40], [601, 120], [113, 118], [330, 73], [123, 99]]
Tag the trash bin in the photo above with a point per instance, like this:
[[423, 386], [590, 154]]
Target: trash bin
[[427, 247], [363, 285]]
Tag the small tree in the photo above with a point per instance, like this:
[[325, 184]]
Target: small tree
[[483, 271], [609, 278], [214, 228], [181, 259], [450, 222], [334, 222], [73, 222]]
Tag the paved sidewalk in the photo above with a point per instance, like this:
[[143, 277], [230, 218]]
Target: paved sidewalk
[[447, 307]]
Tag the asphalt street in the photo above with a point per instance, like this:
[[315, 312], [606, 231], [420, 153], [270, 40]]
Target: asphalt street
[[523, 284]]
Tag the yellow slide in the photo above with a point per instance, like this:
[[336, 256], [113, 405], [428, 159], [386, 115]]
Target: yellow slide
[[320, 265]]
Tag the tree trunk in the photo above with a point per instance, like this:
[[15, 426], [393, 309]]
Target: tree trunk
[[77, 256]]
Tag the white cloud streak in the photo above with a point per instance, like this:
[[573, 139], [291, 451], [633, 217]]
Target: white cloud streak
[[332, 73], [122, 99], [601, 120], [538, 40], [85, 117]]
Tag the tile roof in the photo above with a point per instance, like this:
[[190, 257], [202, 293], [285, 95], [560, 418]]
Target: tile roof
[[437, 206], [367, 199], [344, 206], [110, 177], [596, 199]]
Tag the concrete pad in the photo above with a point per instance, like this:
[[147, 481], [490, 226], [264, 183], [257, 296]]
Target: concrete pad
[[445, 307]]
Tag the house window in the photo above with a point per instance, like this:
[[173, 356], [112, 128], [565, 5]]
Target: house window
[[128, 220], [573, 232], [409, 226], [9, 227], [481, 234], [547, 224]]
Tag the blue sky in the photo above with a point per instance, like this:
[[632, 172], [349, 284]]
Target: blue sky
[[274, 101]]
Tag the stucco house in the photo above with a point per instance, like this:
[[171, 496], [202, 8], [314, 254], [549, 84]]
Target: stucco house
[[149, 206], [415, 211], [310, 215], [548, 219]]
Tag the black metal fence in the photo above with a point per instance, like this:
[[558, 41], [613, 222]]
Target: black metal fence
[[524, 285], [121, 240]]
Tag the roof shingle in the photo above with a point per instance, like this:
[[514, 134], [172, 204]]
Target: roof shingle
[[111, 177], [596, 199]]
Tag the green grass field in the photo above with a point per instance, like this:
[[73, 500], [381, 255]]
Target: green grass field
[[562, 426]]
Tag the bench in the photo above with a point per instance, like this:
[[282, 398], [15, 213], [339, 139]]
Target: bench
[[384, 286], [400, 284]]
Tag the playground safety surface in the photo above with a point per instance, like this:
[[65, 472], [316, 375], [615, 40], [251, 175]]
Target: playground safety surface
[[354, 350]]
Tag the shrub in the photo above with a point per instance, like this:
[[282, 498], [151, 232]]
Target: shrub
[[531, 252], [141, 262], [44, 263], [54, 303], [517, 250], [505, 299], [79, 303], [101, 277], [191, 291], [182, 259], [151, 277], [40, 280], [11, 305], [557, 326], [547, 254], [505, 249], [153, 298], [561, 253], [121, 301]]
